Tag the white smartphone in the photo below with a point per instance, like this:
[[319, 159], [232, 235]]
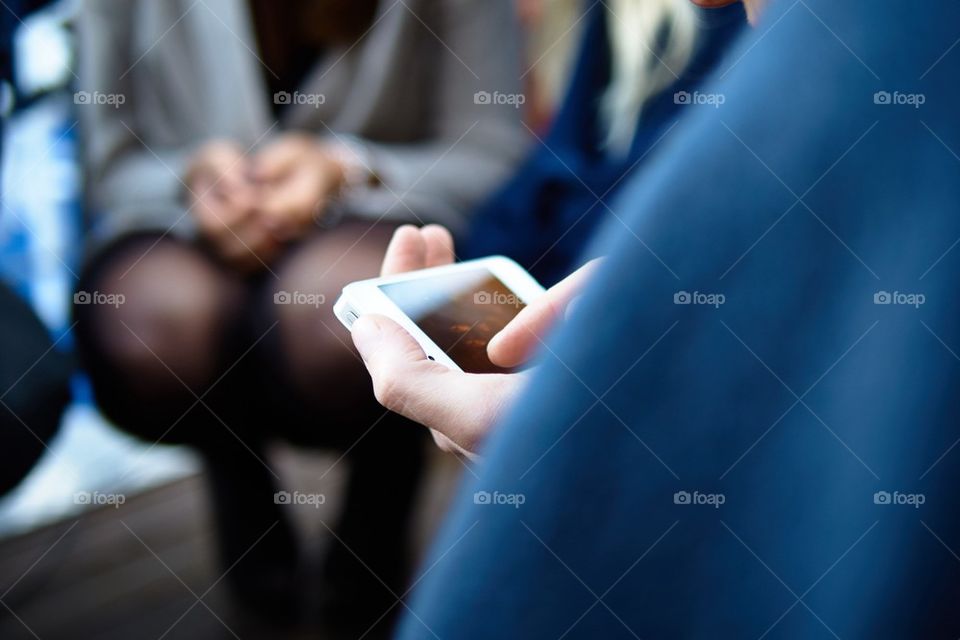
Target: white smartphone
[[451, 311]]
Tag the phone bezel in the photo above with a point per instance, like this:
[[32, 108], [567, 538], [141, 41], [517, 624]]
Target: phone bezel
[[366, 297]]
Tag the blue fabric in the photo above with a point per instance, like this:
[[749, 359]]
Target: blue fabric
[[545, 214], [13, 15], [40, 209], [821, 413]]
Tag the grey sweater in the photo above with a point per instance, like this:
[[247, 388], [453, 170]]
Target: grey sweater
[[158, 79]]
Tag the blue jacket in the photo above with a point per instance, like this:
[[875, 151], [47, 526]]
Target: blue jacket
[[544, 216], [781, 462]]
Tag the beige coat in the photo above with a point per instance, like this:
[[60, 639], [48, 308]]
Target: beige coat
[[187, 71]]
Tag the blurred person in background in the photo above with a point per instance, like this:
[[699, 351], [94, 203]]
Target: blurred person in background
[[637, 60], [244, 161]]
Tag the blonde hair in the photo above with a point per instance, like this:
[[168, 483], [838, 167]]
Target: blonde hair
[[651, 43]]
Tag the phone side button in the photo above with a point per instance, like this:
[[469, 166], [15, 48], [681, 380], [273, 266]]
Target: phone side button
[[351, 318]]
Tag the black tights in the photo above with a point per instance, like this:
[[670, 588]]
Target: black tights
[[195, 354]]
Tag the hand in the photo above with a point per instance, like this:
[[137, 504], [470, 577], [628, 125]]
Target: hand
[[459, 407], [224, 202], [298, 176]]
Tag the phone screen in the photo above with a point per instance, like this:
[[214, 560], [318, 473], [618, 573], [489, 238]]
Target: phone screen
[[460, 312]]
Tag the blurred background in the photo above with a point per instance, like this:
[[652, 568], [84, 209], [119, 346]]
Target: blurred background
[[40, 249], [186, 453], [103, 534], [74, 562]]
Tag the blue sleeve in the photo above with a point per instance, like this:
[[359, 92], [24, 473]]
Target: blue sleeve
[[749, 426]]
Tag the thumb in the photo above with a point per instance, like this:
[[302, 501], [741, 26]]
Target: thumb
[[399, 368], [382, 342], [460, 406]]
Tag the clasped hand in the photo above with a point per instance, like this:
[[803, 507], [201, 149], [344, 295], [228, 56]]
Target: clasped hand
[[248, 206]]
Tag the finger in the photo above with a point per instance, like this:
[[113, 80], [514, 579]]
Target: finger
[[277, 159], [233, 175], [208, 211], [286, 209], [439, 245], [239, 201], [216, 215], [217, 184], [215, 162], [514, 344], [407, 251], [400, 370], [406, 382], [273, 163]]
